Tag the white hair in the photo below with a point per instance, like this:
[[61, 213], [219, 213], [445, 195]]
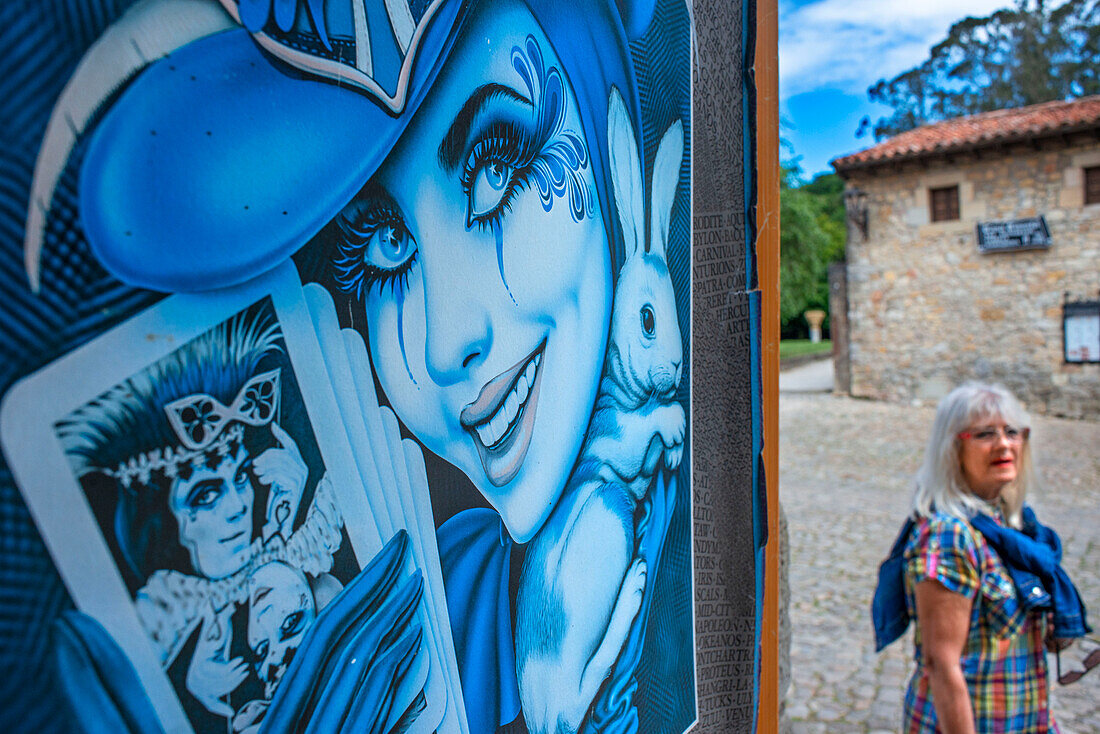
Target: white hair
[[939, 485]]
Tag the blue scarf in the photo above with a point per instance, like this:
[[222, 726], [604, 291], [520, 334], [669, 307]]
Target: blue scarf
[[1033, 558]]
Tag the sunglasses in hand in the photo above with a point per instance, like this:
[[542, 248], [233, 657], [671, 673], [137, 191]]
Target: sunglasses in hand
[[1089, 661]]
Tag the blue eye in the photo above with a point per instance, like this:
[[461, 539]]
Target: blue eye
[[240, 477], [496, 169], [488, 187], [375, 247], [291, 625], [389, 247], [205, 494]]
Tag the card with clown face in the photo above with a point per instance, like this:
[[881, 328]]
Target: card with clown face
[[197, 501]]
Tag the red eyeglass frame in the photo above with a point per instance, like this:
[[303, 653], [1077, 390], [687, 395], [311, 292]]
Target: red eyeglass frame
[[1025, 434]]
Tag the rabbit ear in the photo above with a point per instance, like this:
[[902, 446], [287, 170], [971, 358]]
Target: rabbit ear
[[626, 173], [666, 174]]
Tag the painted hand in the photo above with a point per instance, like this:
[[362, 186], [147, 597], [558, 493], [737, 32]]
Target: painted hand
[[284, 471], [614, 711], [211, 677], [363, 664]]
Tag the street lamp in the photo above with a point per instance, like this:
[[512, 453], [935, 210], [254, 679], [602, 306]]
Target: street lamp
[[855, 203]]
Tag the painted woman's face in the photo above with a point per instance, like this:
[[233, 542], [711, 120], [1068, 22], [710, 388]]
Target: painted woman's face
[[480, 254], [213, 508]]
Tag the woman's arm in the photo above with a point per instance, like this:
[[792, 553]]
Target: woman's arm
[[944, 618]]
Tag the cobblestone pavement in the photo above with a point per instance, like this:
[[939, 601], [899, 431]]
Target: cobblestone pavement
[[844, 470]]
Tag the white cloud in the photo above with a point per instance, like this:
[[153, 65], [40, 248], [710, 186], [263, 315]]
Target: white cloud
[[850, 44]]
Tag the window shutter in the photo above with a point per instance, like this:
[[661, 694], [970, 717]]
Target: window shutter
[[944, 203], [1092, 185]]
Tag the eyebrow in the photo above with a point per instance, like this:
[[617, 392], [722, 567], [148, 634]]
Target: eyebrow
[[454, 142], [371, 197]]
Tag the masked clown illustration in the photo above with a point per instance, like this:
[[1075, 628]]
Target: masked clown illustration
[[194, 446], [474, 182]]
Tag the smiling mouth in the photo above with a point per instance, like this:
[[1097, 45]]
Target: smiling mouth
[[232, 538], [501, 420]]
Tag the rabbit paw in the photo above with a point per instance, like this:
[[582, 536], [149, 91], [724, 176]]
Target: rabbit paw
[[671, 425], [674, 456]]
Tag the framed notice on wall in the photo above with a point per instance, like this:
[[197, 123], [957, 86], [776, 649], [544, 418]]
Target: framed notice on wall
[[376, 365], [1081, 331]]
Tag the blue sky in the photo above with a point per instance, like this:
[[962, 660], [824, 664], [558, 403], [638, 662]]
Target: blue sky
[[830, 51]]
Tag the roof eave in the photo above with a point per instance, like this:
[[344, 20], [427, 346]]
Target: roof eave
[[843, 169]]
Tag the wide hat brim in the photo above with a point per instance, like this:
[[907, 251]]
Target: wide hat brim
[[217, 163]]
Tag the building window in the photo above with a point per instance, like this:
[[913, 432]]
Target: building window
[[945, 203], [1092, 185]]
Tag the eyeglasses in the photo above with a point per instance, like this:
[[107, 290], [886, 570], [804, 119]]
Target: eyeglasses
[[1090, 661], [989, 434]]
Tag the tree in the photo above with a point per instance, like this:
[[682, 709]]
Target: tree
[[1014, 57], [812, 233]]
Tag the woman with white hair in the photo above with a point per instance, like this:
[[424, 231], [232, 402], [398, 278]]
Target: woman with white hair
[[980, 576]]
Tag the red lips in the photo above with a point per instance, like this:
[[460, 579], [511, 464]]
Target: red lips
[[501, 420]]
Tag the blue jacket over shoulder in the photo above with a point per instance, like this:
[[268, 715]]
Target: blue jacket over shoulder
[[1032, 557]]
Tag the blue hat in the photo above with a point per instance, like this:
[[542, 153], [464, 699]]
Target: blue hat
[[223, 158]]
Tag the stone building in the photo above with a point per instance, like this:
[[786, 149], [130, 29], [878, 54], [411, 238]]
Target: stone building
[[970, 242]]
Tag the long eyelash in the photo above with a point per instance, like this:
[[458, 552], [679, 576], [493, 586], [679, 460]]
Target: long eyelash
[[355, 276], [505, 142]]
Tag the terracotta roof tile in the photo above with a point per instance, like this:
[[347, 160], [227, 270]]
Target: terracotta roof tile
[[978, 131]]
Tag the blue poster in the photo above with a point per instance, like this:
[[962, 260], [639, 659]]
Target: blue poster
[[346, 366]]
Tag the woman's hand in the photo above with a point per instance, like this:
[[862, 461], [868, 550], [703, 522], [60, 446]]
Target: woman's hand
[[283, 470], [613, 711], [944, 619], [1052, 643], [210, 676]]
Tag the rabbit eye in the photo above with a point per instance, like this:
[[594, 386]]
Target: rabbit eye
[[649, 324]]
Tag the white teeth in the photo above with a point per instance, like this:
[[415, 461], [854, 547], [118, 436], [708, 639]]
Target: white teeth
[[494, 429], [511, 406], [498, 425]]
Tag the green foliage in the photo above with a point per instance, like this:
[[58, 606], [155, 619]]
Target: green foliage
[[1017, 56], [812, 234], [800, 347]]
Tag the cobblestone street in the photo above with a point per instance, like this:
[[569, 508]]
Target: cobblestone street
[[845, 467]]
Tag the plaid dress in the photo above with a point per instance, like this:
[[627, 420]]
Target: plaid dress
[[1004, 661]]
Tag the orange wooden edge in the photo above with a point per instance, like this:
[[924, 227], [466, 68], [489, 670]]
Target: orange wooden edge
[[767, 263]]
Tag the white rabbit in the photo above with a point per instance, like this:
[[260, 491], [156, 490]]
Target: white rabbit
[[582, 581]]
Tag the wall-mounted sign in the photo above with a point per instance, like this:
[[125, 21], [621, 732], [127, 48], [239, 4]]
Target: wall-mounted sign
[[1030, 233], [1081, 331]]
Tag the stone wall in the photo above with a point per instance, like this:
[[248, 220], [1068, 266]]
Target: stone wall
[[927, 310]]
